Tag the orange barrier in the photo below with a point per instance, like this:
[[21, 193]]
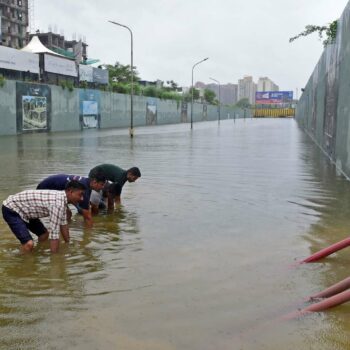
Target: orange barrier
[[273, 112]]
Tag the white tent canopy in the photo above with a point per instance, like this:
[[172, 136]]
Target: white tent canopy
[[36, 46]]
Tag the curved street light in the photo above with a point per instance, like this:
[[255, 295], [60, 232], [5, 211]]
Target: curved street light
[[131, 130], [192, 89], [217, 81]]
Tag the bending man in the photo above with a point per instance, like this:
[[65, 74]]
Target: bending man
[[23, 211], [116, 177], [58, 182]]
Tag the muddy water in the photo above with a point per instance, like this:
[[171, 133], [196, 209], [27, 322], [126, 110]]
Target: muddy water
[[199, 255]]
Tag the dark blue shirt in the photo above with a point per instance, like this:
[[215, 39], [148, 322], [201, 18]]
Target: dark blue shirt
[[58, 183]]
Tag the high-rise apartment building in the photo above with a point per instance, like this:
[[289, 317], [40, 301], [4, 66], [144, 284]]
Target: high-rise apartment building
[[247, 89], [266, 84], [13, 23], [228, 92]]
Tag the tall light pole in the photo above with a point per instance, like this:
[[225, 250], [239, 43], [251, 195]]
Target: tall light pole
[[192, 89], [219, 109], [131, 130]]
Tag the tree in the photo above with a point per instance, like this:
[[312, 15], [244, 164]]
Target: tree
[[329, 30], [243, 103], [209, 96], [172, 85], [151, 91], [195, 94], [120, 73], [188, 96]]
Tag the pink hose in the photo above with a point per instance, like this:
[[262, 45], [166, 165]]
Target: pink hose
[[335, 300], [332, 290], [327, 251]]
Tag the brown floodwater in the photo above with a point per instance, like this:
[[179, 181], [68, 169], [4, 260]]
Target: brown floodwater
[[199, 255]]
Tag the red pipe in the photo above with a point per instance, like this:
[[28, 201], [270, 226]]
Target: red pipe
[[332, 290], [327, 251], [335, 300], [327, 303]]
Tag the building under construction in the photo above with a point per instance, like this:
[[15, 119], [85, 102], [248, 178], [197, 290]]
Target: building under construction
[[13, 23], [60, 45]]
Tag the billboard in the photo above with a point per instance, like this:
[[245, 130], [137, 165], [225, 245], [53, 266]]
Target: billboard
[[59, 65], [85, 73], [100, 75], [18, 60], [273, 97]]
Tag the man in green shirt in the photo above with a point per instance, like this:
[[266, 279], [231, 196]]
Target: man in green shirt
[[116, 178]]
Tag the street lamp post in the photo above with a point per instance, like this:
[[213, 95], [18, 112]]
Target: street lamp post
[[192, 89], [219, 108], [131, 130]]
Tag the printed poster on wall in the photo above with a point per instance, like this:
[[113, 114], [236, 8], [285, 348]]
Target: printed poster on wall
[[151, 111], [33, 102], [89, 101], [205, 112], [184, 112]]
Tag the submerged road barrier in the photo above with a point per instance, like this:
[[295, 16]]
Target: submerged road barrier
[[327, 251]]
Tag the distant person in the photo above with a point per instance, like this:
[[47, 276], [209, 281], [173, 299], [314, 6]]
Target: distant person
[[22, 212], [58, 182], [116, 178]]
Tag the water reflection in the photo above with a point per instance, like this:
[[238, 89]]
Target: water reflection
[[196, 258], [329, 201], [38, 286]]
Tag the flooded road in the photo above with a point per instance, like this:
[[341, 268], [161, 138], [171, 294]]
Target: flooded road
[[199, 255]]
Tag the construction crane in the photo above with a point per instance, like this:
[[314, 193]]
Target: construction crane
[[31, 10]]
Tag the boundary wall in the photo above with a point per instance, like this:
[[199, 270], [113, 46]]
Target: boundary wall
[[30, 107], [323, 110]]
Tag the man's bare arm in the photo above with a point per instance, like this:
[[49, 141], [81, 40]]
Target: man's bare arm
[[65, 232], [87, 216]]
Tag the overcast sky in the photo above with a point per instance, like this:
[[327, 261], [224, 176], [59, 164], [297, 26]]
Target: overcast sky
[[240, 37]]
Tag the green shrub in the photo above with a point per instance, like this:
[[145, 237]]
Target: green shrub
[[83, 84], [2, 81], [67, 84]]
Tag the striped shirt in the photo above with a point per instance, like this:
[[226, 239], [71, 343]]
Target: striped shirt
[[33, 204]]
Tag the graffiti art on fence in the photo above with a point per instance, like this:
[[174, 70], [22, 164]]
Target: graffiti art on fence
[[33, 107], [151, 112]]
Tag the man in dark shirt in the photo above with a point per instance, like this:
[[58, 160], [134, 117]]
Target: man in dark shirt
[[116, 178], [58, 182]]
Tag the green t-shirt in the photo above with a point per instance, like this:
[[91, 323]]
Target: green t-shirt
[[112, 172]]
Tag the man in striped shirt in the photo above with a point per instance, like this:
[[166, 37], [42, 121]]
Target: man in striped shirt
[[22, 212]]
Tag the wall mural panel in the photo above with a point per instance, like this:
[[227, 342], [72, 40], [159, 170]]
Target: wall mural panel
[[33, 102]]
